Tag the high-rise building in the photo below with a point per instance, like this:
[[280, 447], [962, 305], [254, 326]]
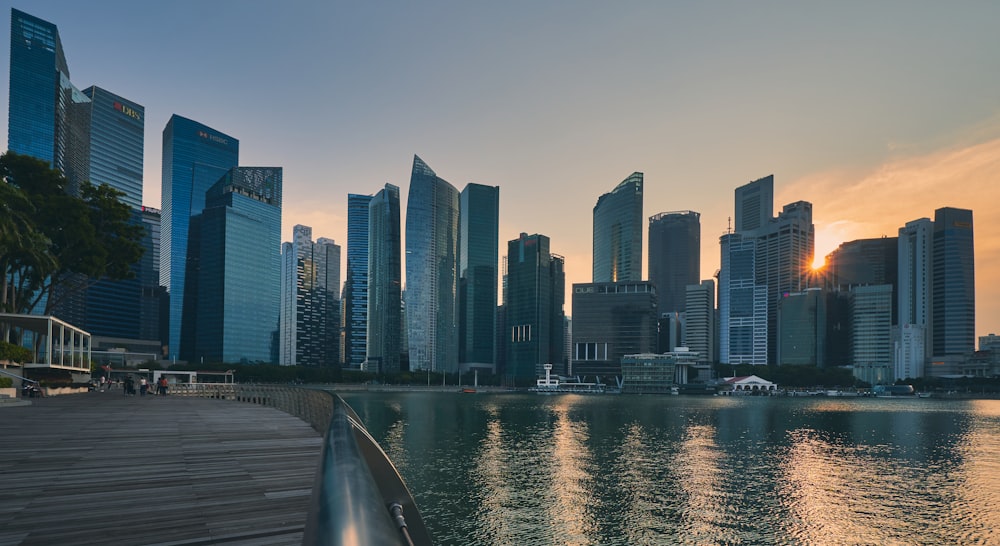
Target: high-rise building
[[478, 242], [195, 157], [742, 303], [755, 205], [674, 257], [954, 289], [238, 263], [533, 307], [699, 320], [871, 338], [864, 262], [356, 287], [802, 328], [385, 327], [618, 233], [431, 264], [914, 339], [152, 301], [309, 320], [611, 320]]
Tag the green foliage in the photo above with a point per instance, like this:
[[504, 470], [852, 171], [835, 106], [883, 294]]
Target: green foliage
[[53, 243], [14, 353], [6, 382]]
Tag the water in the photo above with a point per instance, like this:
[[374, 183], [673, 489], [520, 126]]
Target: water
[[528, 469]]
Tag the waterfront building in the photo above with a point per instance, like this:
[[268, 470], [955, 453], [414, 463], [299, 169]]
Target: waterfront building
[[989, 342], [478, 256], [309, 320], [238, 267], [431, 263], [618, 233], [611, 320], [385, 327], [195, 157], [954, 288], [802, 328], [913, 335], [871, 333], [742, 303], [652, 373], [356, 287], [674, 257], [700, 319], [533, 307]]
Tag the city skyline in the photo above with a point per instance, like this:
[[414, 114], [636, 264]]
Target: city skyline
[[877, 130]]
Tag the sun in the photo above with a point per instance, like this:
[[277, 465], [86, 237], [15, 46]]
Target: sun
[[819, 262]]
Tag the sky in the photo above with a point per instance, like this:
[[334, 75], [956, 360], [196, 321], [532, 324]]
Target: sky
[[877, 113]]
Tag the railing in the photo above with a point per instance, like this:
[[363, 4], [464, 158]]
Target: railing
[[358, 496]]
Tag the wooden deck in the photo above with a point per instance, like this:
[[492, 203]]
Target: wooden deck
[[98, 468]]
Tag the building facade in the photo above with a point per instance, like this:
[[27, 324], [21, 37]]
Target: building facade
[[700, 319], [871, 317], [674, 257], [618, 233], [533, 307], [802, 328], [478, 256], [915, 304], [742, 303], [356, 287], [954, 288], [385, 328], [195, 157], [309, 320], [431, 271], [611, 320]]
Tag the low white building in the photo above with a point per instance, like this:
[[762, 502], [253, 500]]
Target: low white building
[[748, 384]]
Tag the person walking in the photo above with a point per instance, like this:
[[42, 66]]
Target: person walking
[[161, 388], [143, 386]]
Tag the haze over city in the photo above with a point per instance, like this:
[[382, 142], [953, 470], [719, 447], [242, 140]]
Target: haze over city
[[876, 114]]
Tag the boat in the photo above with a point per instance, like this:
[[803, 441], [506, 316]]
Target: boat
[[469, 390]]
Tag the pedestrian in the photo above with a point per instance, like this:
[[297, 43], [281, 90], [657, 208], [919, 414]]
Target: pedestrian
[[129, 389], [162, 387], [143, 386]]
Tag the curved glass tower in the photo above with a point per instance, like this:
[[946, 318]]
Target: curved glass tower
[[618, 232], [384, 341], [431, 264]]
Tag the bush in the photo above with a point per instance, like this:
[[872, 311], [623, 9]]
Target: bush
[[14, 353], [6, 382]]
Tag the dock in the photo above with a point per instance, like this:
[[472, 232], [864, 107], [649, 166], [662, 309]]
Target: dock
[[100, 468]]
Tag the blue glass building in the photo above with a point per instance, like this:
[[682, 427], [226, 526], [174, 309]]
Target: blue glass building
[[195, 157], [356, 287], [618, 232], [478, 255], [385, 327], [431, 263], [533, 308], [238, 265], [954, 292]]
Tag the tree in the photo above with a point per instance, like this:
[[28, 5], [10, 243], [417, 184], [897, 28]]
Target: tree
[[54, 244]]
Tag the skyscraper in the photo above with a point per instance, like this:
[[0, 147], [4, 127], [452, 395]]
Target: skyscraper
[[618, 233], [871, 333], [742, 303], [195, 157], [431, 264], [356, 287], [478, 239], [954, 292], [611, 320], [152, 301], [755, 205], [238, 267], [309, 320], [385, 328], [674, 257], [533, 307], [914, 302], [699, 320]]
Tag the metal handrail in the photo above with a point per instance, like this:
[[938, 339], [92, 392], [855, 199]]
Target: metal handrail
[[358, 496]]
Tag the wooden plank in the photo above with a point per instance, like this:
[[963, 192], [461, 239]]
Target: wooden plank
[[98, 468]]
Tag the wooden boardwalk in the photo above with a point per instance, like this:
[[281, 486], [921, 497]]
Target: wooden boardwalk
[[98, 468]]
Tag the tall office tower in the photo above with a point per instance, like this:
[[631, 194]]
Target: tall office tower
[[871, 334], [238, 265], [802, 328], [954, 283], [915, 304], [309, 320], [385, 327], [864, 262], [356, 287], [742, 303], [611, 320], [431, 263], [755, 205], [533, 307], [674, 257], [152, 300], [699, 331], [618, 232], [478, 242], [195, 157]]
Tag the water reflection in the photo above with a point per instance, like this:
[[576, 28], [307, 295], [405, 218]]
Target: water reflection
[[571, 477], [702, 480]]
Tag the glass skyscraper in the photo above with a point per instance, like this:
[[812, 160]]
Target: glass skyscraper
[[431, 277], [954, 292], [238, 267], [742, 303], [195, 157], [385, 328], [356, 287], [478, 239], [618, 233], [309, 321], [674, 257], [534, 294]]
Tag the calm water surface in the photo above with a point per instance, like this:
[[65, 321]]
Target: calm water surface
[[528, 469]]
